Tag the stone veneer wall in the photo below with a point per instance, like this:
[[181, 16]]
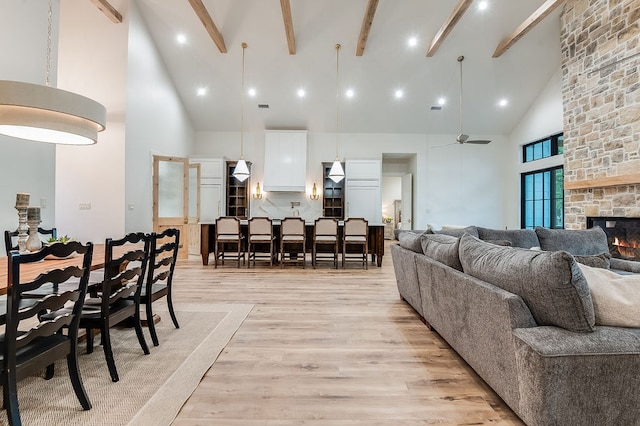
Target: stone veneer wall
[[601, 106]]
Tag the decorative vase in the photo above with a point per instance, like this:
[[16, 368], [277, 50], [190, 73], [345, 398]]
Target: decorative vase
[[33, 243]]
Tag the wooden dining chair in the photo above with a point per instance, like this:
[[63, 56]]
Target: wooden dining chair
[[117, 297], [228, 234], [11, 238], [163, 254], [260, 236], [325, 234], [292, 241], [356, 232], [32, 343]]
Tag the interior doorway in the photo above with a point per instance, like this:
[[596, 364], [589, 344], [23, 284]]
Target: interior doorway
[[398, 171]]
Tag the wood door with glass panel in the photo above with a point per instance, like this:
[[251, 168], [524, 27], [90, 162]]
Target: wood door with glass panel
[[171, 198]]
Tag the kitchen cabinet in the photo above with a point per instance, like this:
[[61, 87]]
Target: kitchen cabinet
[[363, 190], [285, 160], [333, 194]]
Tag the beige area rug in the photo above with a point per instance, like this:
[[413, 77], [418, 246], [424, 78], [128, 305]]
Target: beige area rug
[[152, 388]]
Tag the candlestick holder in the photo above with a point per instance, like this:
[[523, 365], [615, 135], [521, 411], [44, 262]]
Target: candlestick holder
[[33, 242], [22, 228]]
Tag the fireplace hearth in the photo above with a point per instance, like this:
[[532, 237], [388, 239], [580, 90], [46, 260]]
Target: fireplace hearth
[[623, 235]]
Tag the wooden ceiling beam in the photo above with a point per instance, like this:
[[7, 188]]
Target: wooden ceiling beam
[[533, 20], [448, 25], [108, 10], [209, 25], [288, 26], [367, 21]]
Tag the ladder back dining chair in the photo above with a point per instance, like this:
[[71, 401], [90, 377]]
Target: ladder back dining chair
[[11, 238]]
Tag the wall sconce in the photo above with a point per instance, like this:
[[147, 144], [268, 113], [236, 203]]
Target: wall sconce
[[258, 194], [314, 193]]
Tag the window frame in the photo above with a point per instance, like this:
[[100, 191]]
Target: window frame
[[555, 148], [553, 199]]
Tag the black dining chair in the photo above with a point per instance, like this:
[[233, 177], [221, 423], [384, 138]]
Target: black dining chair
[[32, 343], [163, 254], [11, 238], [117, 297]]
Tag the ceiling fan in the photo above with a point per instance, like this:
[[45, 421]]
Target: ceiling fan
[[462, 138]]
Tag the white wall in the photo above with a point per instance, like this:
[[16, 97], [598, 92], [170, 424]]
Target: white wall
[[544, 118], [26, 166], [453, 184], [93, 63], [391, 191], [156, 122]]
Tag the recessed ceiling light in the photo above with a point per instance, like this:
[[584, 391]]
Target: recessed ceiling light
[[301, 93], [252, 92], [350, 93], [503, 102], [181, 38], [442, 101], [202, 91], [483, 5], [412, 42], [399, 94]]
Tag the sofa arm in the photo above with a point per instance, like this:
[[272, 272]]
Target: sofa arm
[[572, 378], [625, 265]]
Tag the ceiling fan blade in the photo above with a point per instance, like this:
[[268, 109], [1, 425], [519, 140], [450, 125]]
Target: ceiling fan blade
[[478, 142], [446, 144]]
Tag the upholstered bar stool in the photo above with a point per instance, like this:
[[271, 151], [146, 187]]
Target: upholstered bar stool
[[228, 233], [356, 231], [260, 236], [325, 233], [292, 240]]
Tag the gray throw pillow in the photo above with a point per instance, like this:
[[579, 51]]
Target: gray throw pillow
[[525, 238], [471, 230], [410, 241], [550, 283], [442, 248], [602, 260], [505, 243], [581, 242]]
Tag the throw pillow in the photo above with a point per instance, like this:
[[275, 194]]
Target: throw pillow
[[411, 241], [459, 232], [442, 248], [550, 283], [616, 298], [505, 243], [525, 238], [602, 260], [582, 242]]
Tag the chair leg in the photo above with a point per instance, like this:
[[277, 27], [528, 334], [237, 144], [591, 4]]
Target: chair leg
[[313, 255], [108, 352], [171, 311], [50, 372], [282, 255], [10, 396], [76, 379], [304, 255], [137, 324], [215, 255], [366, 255], [150, 323]]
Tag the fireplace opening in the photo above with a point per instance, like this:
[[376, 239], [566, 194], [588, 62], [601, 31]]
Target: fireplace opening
[[623, 235]]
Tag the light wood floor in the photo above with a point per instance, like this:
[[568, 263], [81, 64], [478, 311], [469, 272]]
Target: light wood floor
[[328, 347]]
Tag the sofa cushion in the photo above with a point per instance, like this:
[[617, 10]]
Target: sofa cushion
[[458, 232], [616, 298], [602, 260], [525, 238], [443, 248], [576, 241], [550, 283], [411, 241]]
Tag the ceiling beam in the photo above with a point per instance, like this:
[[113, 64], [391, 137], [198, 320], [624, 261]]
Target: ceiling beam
[[108, 10], [533, 20], [448, 25], [209, 25], [367, 21], [288, 25]]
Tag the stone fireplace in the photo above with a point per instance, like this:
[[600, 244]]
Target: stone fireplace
[[623, 235], [600, 42]]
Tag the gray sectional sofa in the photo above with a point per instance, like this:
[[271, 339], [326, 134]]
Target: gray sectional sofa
[[524, 320]]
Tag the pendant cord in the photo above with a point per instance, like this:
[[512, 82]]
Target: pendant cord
[[49, 31], [244, 46], [337, 98], [460, 59]]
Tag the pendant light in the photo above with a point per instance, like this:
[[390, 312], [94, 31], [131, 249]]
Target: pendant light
[[336, 173], [241, 171], [47, 114]]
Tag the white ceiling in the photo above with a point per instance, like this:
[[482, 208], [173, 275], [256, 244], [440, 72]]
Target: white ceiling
[[387, 64]]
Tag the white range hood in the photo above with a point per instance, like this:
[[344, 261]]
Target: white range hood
[[285, 160]]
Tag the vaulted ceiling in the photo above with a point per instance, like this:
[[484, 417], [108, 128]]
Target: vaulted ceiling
[[278, 63]]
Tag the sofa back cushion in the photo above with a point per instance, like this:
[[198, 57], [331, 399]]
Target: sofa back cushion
[[550, 283], [582, 242], [525, 238], [411, 241], [442, 248], [602, 260], [458, 232]]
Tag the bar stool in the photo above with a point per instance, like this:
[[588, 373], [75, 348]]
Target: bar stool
[[260, 235], [325, 233], [228, 232], [356, 231], [292, 235]]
